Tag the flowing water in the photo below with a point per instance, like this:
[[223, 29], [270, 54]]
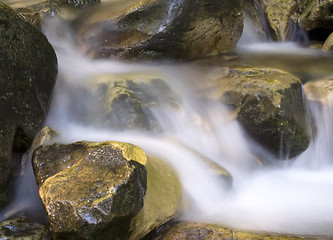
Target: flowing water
[[292, 196]]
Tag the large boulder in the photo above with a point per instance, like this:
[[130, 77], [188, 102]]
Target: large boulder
[[268, 103], [158, 29], [123, 101], [107, 190], [28, 70], [91, 190]]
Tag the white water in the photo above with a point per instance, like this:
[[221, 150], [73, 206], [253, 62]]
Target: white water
[[296, 198]]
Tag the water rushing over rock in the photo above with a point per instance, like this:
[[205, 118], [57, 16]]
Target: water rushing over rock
[[226, 177]]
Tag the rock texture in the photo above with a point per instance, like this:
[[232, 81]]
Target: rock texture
[[162, 201], [91, 190], [268, 103], [159, 29], [196, 231], [278, 14], [22, 228], [124, 101], [28, 70]]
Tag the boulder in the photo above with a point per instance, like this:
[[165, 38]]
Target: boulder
[[320, 91], [159, 29], [316, 14], [328, 44], [35, 11], [268, 103], [278, 14], [91, 190], [28, 71], [107, 190], [22, 228], [123, 101], [197, 230]]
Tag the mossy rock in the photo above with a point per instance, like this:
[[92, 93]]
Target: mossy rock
[[160, 29], [278, 14], [317, 14], [123, 101], [268, 103], [27, 75], [91, 190], [22, 228], [199, 231]]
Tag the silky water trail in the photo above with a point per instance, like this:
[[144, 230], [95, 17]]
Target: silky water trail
[[293, 198]]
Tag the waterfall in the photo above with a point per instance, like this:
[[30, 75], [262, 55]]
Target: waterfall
[[294, 198]]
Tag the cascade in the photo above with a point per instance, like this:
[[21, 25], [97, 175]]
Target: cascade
[[293, 198]]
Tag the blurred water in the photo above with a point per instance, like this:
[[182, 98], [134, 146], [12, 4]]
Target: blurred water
[[294, 198]]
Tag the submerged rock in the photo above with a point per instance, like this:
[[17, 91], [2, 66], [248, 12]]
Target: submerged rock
[[28, 71], [197, 231], [161, 29], [91, 190], [268, 103], [124, 101], [22, 228]]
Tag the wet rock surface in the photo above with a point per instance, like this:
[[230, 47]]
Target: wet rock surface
[[28, 71], [268, 103], [125, 101], [22, 228], [162, 29], [91, 190], [197, 230]]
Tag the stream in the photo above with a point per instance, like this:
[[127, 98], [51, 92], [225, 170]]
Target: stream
[[291, 196]]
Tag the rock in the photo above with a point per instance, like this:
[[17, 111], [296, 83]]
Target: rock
[[162, 201], [328, 45], [22, 228], [196, 231], [124, 101], [278, 14], [268, 103], [317, 14], [28, 71], [91, 190], [320, 91], [159, 29], [79, 3]]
